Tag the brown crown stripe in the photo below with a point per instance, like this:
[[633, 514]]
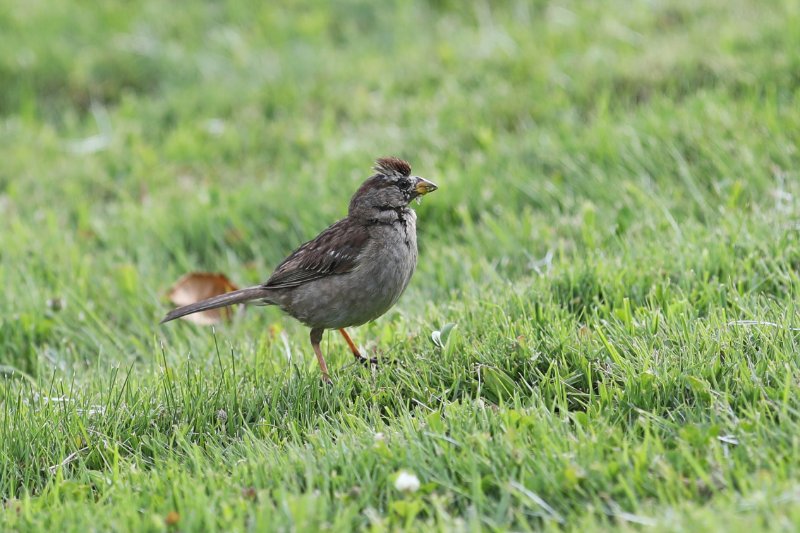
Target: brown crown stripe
[[386, 165]]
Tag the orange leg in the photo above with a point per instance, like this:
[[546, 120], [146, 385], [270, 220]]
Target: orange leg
[[350, 343], [316, 338], [360, 358]]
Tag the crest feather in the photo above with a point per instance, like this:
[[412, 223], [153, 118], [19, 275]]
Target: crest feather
[[392, 165]]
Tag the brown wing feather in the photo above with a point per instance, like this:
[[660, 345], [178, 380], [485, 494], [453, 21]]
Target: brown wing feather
[[334, 251]]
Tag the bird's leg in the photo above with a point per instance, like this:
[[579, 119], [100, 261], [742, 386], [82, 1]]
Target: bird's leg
[[351, 344], [316, 338], [360, 358]]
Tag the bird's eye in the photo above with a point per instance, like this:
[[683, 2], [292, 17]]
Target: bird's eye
[[403, 183]]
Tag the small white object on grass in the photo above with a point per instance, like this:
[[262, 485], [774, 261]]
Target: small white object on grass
[[215, 126], [406, 482], [439, 337]]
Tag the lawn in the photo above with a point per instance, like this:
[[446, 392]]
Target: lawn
[[616, 238]]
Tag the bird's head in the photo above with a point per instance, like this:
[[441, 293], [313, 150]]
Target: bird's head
[[392, 187]]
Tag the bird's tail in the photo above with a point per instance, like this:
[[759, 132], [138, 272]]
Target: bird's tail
[[223, 300]]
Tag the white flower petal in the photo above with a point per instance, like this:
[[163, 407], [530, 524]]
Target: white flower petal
[[406, 482]]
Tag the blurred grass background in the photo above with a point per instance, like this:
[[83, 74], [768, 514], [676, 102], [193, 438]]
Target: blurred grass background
[[618, 183]]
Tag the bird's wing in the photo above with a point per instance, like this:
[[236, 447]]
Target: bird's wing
[[334, 251]]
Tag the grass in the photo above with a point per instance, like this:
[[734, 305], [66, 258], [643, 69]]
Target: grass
[[615, 236]]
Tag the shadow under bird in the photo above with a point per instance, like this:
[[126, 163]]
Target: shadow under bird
[[352, 272]]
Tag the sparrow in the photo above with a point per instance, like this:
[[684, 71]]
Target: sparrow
[[352, 272]]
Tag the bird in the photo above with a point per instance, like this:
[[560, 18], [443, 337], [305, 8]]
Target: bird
[[353, 271]]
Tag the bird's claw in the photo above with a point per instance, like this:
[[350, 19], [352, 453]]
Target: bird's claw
[[374, 362], [366, 361]]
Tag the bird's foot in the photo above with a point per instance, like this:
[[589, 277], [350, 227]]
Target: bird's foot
[[375, 361], [366, 361]]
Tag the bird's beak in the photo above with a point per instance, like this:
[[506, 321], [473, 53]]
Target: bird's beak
[[424, 186]]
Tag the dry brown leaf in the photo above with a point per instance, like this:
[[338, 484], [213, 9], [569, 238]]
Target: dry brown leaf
[[197, 286]]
